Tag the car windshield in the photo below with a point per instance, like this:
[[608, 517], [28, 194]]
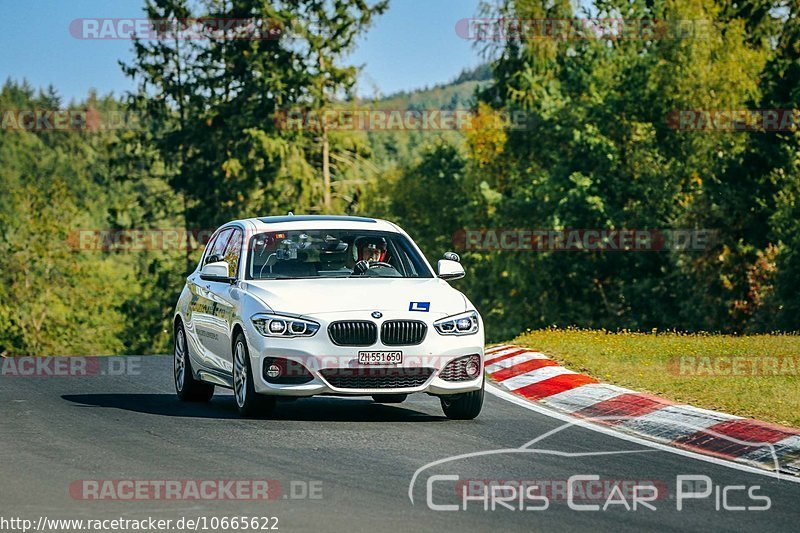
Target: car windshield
[[303, 254]]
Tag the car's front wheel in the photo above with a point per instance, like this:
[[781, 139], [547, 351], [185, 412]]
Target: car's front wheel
[[248, 401], [188, 388], [465, 406]]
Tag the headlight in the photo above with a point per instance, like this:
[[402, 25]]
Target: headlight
[[463, 324], [283, 326]]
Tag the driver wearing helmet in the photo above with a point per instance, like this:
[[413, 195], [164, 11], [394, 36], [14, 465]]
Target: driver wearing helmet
[[371, 249], [371, 258]]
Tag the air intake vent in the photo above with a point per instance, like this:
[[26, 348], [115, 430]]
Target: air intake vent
[[460, 369], [353, 333], [403, 332], [376, 378]]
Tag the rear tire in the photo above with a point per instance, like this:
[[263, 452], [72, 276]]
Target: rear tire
[[187, 387], [389, 398], [464, 406], [248, 401]]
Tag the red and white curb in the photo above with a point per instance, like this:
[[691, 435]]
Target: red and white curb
[[531, 375]]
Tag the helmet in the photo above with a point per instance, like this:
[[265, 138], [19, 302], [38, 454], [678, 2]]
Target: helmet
[[370, 249]]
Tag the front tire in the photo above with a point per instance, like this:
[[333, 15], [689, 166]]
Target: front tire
[[187, 387], [248, 401], [465, 406]]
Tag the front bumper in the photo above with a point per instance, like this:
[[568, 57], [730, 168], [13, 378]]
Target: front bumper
[[321, 357]]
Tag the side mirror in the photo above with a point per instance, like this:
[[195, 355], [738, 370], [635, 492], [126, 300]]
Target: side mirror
[[450, 270], [216, 271]]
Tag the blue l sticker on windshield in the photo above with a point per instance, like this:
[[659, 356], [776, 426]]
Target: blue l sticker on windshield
[[423, 307]]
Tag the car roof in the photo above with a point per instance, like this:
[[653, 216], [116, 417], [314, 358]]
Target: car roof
[[289, 222], [309, 218]]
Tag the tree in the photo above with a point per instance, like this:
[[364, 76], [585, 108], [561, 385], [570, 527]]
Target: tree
[[331, 35], [215, 102], [55, 300], [599, 152]]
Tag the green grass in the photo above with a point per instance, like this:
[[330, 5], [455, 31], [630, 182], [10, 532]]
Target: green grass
[[651, 362]]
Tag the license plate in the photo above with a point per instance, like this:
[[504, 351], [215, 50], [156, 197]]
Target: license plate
[[380, 358]]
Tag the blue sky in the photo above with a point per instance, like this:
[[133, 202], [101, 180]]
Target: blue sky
[[414, 44]]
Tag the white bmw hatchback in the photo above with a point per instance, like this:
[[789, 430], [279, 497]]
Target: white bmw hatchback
[[306, 305]]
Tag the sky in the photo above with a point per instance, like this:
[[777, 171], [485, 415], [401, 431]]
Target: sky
[[414, 44]]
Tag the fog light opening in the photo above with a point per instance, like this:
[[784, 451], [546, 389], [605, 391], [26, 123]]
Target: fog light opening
[[274, 371]]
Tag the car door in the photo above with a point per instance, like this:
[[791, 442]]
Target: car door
[[207, 323], [227, 296]]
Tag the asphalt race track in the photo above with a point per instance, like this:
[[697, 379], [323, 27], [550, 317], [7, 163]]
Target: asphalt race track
[[356, 457]]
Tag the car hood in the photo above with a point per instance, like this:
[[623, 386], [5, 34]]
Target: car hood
[[339, 295]]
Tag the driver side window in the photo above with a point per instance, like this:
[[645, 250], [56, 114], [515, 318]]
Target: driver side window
[[233, 252], [216, 248]]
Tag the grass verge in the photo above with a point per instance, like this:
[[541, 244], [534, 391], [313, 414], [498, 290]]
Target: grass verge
[[754, 376]]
